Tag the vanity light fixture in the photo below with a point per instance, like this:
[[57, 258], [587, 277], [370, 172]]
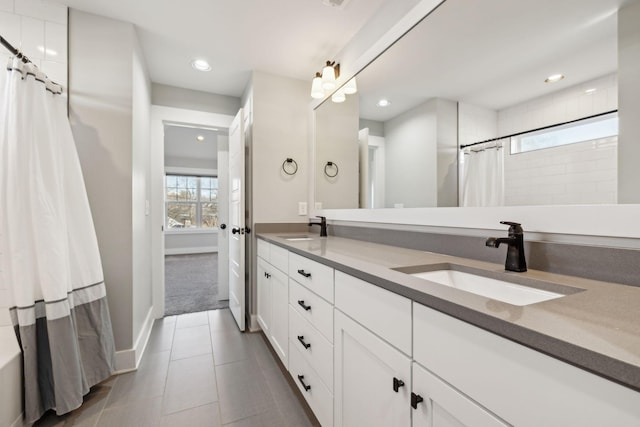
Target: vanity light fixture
[[383, 103], [554, 78], [199, 138], [201, 65], [326, 81]]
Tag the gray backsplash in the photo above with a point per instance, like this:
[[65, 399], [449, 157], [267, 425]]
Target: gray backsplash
[[591, 262]]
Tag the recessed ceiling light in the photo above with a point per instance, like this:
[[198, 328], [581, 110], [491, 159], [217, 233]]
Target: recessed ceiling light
[[554, 78], [201, 65], [590, 91], [383, 103], [199, 138]]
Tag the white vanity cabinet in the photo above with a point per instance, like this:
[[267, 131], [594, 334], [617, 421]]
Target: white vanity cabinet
[[372, 355], [311, 289], [273, 297], [437, 404], [521, 386]]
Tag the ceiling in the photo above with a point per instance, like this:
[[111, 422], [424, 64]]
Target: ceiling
[[493, 53], [291, 38], [180, 143]]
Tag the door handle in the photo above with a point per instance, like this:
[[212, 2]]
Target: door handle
[[415, 399], [304, 344], [236, 230]]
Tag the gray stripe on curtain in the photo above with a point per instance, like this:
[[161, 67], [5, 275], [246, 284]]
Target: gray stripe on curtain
[[64, 357]]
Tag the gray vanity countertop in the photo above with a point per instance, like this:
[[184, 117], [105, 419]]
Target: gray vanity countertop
[[597, 328]]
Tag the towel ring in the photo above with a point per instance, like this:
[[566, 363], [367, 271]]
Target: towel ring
[[290, 166], [328, 167]]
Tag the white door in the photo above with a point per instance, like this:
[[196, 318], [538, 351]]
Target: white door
[[223, 218], [437, 404], [236, 220], [372, 380]]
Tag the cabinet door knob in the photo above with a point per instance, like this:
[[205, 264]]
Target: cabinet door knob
[[301, 379], [415, 399], [304, 344], [301, 304], [397, 384], [304, 273]]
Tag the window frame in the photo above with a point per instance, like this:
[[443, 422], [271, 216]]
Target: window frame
[[198, 202]]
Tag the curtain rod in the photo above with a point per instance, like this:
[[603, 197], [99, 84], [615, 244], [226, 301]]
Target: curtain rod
[[13, 50], [535, 130]]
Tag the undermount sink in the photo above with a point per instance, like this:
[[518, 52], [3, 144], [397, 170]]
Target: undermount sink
[[297, 238], [501, 290]]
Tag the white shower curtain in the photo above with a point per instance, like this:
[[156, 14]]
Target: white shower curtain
[[50, 259], [483, 175]]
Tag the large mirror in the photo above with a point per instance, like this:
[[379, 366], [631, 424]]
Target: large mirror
[[470, 119]]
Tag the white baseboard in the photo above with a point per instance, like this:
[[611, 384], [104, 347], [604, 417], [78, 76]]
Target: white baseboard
[[196, 250], [254, 326], [129, 360]]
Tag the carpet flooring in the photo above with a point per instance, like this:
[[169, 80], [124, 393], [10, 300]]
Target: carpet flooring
[[191, 284]]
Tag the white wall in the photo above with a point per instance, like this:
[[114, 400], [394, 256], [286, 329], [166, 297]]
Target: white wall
[[279, 131], [109, 96], [190, 242], [170, 96], [141, 177], [629, 103], [337, 142]]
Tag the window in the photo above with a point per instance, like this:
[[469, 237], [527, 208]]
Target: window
[[191, 201], [580, 131]]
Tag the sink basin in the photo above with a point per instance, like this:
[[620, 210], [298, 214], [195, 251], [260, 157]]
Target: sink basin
[[297, 238], [490, 287]]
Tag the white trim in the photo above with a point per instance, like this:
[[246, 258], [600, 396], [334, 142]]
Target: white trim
[[129, 360], [177, 170], [159, 116], [194, 250], [194, 230], [619, 221], [254, 325], [143, 337]]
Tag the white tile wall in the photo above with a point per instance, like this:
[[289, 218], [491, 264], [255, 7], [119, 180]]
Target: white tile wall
[[39, 29], [582, 173]]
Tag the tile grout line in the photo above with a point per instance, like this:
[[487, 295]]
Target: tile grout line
[[215, 371]]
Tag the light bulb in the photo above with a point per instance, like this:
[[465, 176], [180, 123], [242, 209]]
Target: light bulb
[[339, 96], [316, 87], [328, 77], [350, 88]]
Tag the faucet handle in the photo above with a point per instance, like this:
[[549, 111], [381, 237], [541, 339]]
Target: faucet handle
[[514, 227]]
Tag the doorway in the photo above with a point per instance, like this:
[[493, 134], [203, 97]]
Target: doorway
[[188, 187]]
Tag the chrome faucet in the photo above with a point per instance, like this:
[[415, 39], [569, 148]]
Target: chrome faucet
[[515, 253], [322, 224]]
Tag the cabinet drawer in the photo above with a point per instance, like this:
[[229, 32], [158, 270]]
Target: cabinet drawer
[[524, 384], [383, 312], [319, 312], [316, 393], [317, 351], [312, 274], [263, 249], [279, 258]]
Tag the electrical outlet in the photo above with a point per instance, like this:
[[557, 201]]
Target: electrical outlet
[[318, 206], [302, 208]]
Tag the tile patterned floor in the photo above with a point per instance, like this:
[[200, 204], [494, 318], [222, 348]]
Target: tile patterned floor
[[198, 370]]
